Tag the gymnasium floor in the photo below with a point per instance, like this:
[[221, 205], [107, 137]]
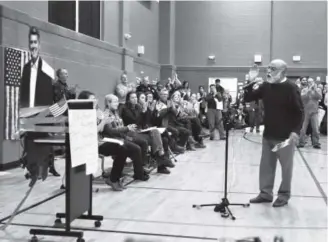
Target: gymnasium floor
[[161, 209]]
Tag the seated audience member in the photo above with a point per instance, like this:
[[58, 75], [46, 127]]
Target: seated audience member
[[151, 102], [173, 84], [311, 96], [185, 91], [188, 116], [122, 89], [164, 116], [118, 152], [214, 112], [133, 113], [61, 89], [145, 86], [136, 149], [150, 122], [195, 104]]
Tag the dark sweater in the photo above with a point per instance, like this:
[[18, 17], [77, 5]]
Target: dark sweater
[[211, 104], [283, 108]]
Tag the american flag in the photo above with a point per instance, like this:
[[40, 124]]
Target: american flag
[[58, 108], [15, 60]]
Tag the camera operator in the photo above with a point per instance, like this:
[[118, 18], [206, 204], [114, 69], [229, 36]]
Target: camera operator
[[214, 112]]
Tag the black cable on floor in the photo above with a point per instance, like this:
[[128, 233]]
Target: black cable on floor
[[33, 206]]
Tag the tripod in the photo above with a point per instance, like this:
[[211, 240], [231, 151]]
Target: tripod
[[223, 207]]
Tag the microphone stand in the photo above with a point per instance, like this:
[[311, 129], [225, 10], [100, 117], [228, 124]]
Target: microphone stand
[[223, 207]]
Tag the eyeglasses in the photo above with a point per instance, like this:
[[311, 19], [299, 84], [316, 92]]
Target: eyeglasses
[[272, 68]]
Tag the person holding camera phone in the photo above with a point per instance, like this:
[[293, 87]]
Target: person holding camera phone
[[311, 95]]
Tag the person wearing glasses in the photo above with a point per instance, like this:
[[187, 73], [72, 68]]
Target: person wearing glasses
[[283, 120]]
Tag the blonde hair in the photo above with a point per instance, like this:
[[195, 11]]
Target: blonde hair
[[109, 98]]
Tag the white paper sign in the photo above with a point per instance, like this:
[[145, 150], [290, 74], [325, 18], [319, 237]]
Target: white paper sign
[[84, 139]]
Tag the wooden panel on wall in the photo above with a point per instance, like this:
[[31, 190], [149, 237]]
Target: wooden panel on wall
[[153, 71], [37, 9], [111, 22], [232, 31], [144, 23], [300, 28]]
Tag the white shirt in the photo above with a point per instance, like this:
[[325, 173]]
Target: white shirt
[[219, 104], [283, 80], [33, 78]]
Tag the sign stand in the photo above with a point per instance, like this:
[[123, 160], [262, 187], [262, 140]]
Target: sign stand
[[78, 192]]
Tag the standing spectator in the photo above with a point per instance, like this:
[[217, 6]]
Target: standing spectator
[[214, 112], [122, 90], [310, 97], [61, 89]]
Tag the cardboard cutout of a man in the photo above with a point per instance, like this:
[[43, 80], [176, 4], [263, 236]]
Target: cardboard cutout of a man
[[37, 79]]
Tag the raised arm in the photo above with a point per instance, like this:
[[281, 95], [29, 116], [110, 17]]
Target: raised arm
[[317, 94], [253, 91]]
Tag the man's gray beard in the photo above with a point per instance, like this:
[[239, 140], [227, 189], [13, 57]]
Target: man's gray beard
[[272, 80], [269, 79]]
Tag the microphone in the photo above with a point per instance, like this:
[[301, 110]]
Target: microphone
[[249, 84], [255, 84]]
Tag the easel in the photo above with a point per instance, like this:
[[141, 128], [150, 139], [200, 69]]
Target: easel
[[78, 192]]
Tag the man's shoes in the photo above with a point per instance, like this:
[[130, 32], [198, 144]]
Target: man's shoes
[[190, 147], [200, 145], [115, 185], [144, 177], [163, 170], [279, 203], [53, 171], [178, 150], [300, 146], [170, 164], [317, 147], [259, 199], [120, 183]]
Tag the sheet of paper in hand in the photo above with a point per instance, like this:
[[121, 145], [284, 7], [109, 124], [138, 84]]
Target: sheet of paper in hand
[[281, 145], [111, 140], [147, 130], [83, 138]]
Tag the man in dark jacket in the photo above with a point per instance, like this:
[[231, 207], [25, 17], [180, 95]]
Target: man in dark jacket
[[283, 120], [37, 90], [61, 89], [36, 83], [214, 112]]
